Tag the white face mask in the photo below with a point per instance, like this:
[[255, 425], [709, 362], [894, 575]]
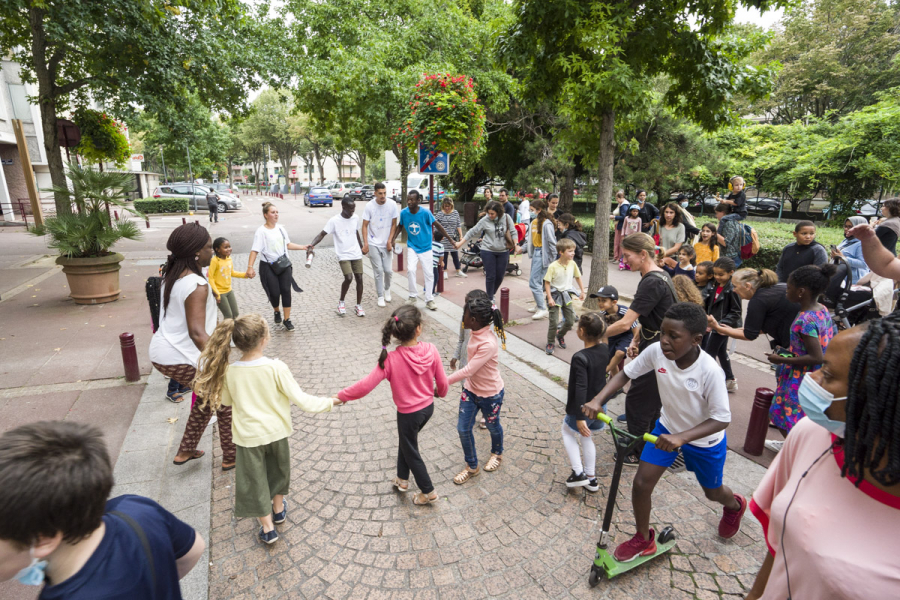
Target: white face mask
[[815, 400]]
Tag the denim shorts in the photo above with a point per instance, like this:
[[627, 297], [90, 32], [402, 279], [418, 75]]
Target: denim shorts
[[593, 424]]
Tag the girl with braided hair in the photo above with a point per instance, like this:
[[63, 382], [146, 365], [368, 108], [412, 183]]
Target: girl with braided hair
[[837, 478], [187, 318], [416, 375], [483, 388]]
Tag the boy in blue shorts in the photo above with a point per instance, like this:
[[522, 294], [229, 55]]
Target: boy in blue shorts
[[694, 416]]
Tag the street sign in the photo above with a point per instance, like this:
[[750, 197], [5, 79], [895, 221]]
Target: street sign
[[432, 162], [215, 173], [137, 157], [293, 172]]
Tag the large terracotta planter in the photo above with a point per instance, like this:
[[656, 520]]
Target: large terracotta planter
[[93, 280]]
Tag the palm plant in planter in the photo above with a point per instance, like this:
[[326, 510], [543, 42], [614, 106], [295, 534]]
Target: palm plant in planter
[[84, 237]]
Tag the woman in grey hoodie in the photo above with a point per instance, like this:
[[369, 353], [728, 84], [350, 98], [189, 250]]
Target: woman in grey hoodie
[[542, 251], [494, 226]]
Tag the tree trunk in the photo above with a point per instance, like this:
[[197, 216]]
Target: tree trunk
[[567, 191], [319, 163], [600, 250], [47, 103], [362, 166], [404, 174], [230, 175]]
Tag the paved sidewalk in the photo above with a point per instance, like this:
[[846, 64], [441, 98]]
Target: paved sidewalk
[[516, 533]]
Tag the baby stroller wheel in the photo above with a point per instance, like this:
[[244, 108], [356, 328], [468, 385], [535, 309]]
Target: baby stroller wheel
[[518, 271], [465, 269]]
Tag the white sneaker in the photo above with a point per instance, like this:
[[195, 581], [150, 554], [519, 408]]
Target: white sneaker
[[533, 309], [461, 274], [446, 275], [341, 308], [412, 299], [774, 445], [387, 296], [537, 316], [430, 305], [731, 385], [359, 311], [380, 301]]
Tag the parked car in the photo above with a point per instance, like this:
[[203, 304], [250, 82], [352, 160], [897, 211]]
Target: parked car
[[341, 189], [863, 208], [318, 196], [222, 187], [764, 205], [362, 192], [197, 201]]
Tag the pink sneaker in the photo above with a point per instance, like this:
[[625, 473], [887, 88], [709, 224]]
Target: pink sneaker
[[731, 519], [635, 547]]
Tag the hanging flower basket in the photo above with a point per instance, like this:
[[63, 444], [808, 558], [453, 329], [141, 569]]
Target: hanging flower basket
[[444, 113], [102, 137]]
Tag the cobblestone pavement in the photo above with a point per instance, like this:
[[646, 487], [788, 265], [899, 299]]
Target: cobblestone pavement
[[515, 533]]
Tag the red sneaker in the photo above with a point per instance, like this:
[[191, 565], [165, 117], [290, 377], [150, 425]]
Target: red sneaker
[[636, 546], [731, 519]]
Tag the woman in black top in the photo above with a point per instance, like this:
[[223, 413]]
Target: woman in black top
[[768, 310], [889, 229], [654, 295]]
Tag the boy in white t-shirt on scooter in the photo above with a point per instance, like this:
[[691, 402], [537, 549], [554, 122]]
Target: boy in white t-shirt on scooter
[[348, 247], [695, 413]]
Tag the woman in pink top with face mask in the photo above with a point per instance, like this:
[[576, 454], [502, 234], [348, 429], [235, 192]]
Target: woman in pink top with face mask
[[830, 503], [483, 388], [415, 372]]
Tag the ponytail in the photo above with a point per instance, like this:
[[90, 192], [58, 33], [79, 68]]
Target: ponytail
[[211, 367], [402, 324]]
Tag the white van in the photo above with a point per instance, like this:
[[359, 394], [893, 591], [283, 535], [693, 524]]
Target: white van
[[414, 181]]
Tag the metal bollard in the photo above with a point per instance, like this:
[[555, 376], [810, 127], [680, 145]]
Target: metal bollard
[[129, 357], [504, 304], [440, 275], [755, 440]]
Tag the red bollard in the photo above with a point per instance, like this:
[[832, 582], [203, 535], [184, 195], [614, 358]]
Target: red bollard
[[504, 304], [116, 215], [399, 262], [129, 357], [755, 440], [440, 275], [184, 220], [148, 223]]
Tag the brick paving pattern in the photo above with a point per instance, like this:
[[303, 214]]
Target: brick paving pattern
[[515, 533]]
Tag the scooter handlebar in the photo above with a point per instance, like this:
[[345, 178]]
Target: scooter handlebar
[[648, 437]]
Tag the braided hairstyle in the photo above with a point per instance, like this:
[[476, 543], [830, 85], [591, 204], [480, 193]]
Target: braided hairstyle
[[476, 293], [184, 244], [402, 324], [872, 436], [484, 312], [592, 325]]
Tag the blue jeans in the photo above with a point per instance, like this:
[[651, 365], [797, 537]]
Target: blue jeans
[[536, 279], [494, 270], [469, 405]]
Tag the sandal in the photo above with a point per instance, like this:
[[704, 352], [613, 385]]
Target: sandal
[[421, 499], [228, 467], [465, 475], [176, 397], [197, 454], [493, 463], [402, 485]]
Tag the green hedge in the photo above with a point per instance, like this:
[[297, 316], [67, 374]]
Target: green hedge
[[773, 237], [161, 205]]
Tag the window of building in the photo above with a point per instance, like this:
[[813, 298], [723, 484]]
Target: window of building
[[21, 108]]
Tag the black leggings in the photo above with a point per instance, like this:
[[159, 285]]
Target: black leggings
[[277, 287], [408, 458], [717, 347]]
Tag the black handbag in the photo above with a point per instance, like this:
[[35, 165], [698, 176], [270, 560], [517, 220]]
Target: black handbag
[[283, 263]]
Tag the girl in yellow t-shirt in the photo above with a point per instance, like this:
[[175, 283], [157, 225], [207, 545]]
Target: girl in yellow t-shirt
[[706, 248], [221, 270]]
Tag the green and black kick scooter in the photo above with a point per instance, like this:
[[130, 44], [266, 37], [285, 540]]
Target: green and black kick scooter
[[605, 563]]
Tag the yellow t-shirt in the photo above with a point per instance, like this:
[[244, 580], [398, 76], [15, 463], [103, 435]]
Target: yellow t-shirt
[[536, 240], [260, 393], [562, 277], [221, 270], [704, 253]]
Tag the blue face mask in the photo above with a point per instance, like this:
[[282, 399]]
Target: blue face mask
[[814, 400], [33, 574]]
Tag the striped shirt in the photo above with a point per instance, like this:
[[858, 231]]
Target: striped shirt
[[451, 224], [437, 252]]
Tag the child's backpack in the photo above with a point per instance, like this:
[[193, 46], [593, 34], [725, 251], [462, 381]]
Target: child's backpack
[[153, 287], [749, 241]]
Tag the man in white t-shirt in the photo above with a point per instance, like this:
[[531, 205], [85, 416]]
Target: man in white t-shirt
[[378, 221], [695, 413], [349, 249]]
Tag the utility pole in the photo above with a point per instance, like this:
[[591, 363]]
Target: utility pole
[[191, 173], [163, 159]]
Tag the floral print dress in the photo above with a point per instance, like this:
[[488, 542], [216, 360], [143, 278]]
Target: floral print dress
[[785, 410]]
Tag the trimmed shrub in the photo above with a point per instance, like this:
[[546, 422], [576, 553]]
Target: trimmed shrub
[[161, 205]]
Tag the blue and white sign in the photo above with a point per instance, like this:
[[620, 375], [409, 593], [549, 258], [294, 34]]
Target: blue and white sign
[[433, 163]]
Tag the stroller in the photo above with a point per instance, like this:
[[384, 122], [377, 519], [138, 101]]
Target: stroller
[[849, 304]]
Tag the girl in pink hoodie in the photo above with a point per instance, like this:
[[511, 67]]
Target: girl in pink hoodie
[[483, 388], [416, 375]]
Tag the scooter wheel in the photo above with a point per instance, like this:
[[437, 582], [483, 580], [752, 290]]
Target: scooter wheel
[[666, 535], [594, 577], [518, 271], [465, 269]]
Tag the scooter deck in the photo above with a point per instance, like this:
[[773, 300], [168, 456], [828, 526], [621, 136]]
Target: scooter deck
[[611, 567]]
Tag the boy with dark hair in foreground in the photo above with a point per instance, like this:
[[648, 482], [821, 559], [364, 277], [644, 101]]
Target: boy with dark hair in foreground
[[695, 413], [58, 529]]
